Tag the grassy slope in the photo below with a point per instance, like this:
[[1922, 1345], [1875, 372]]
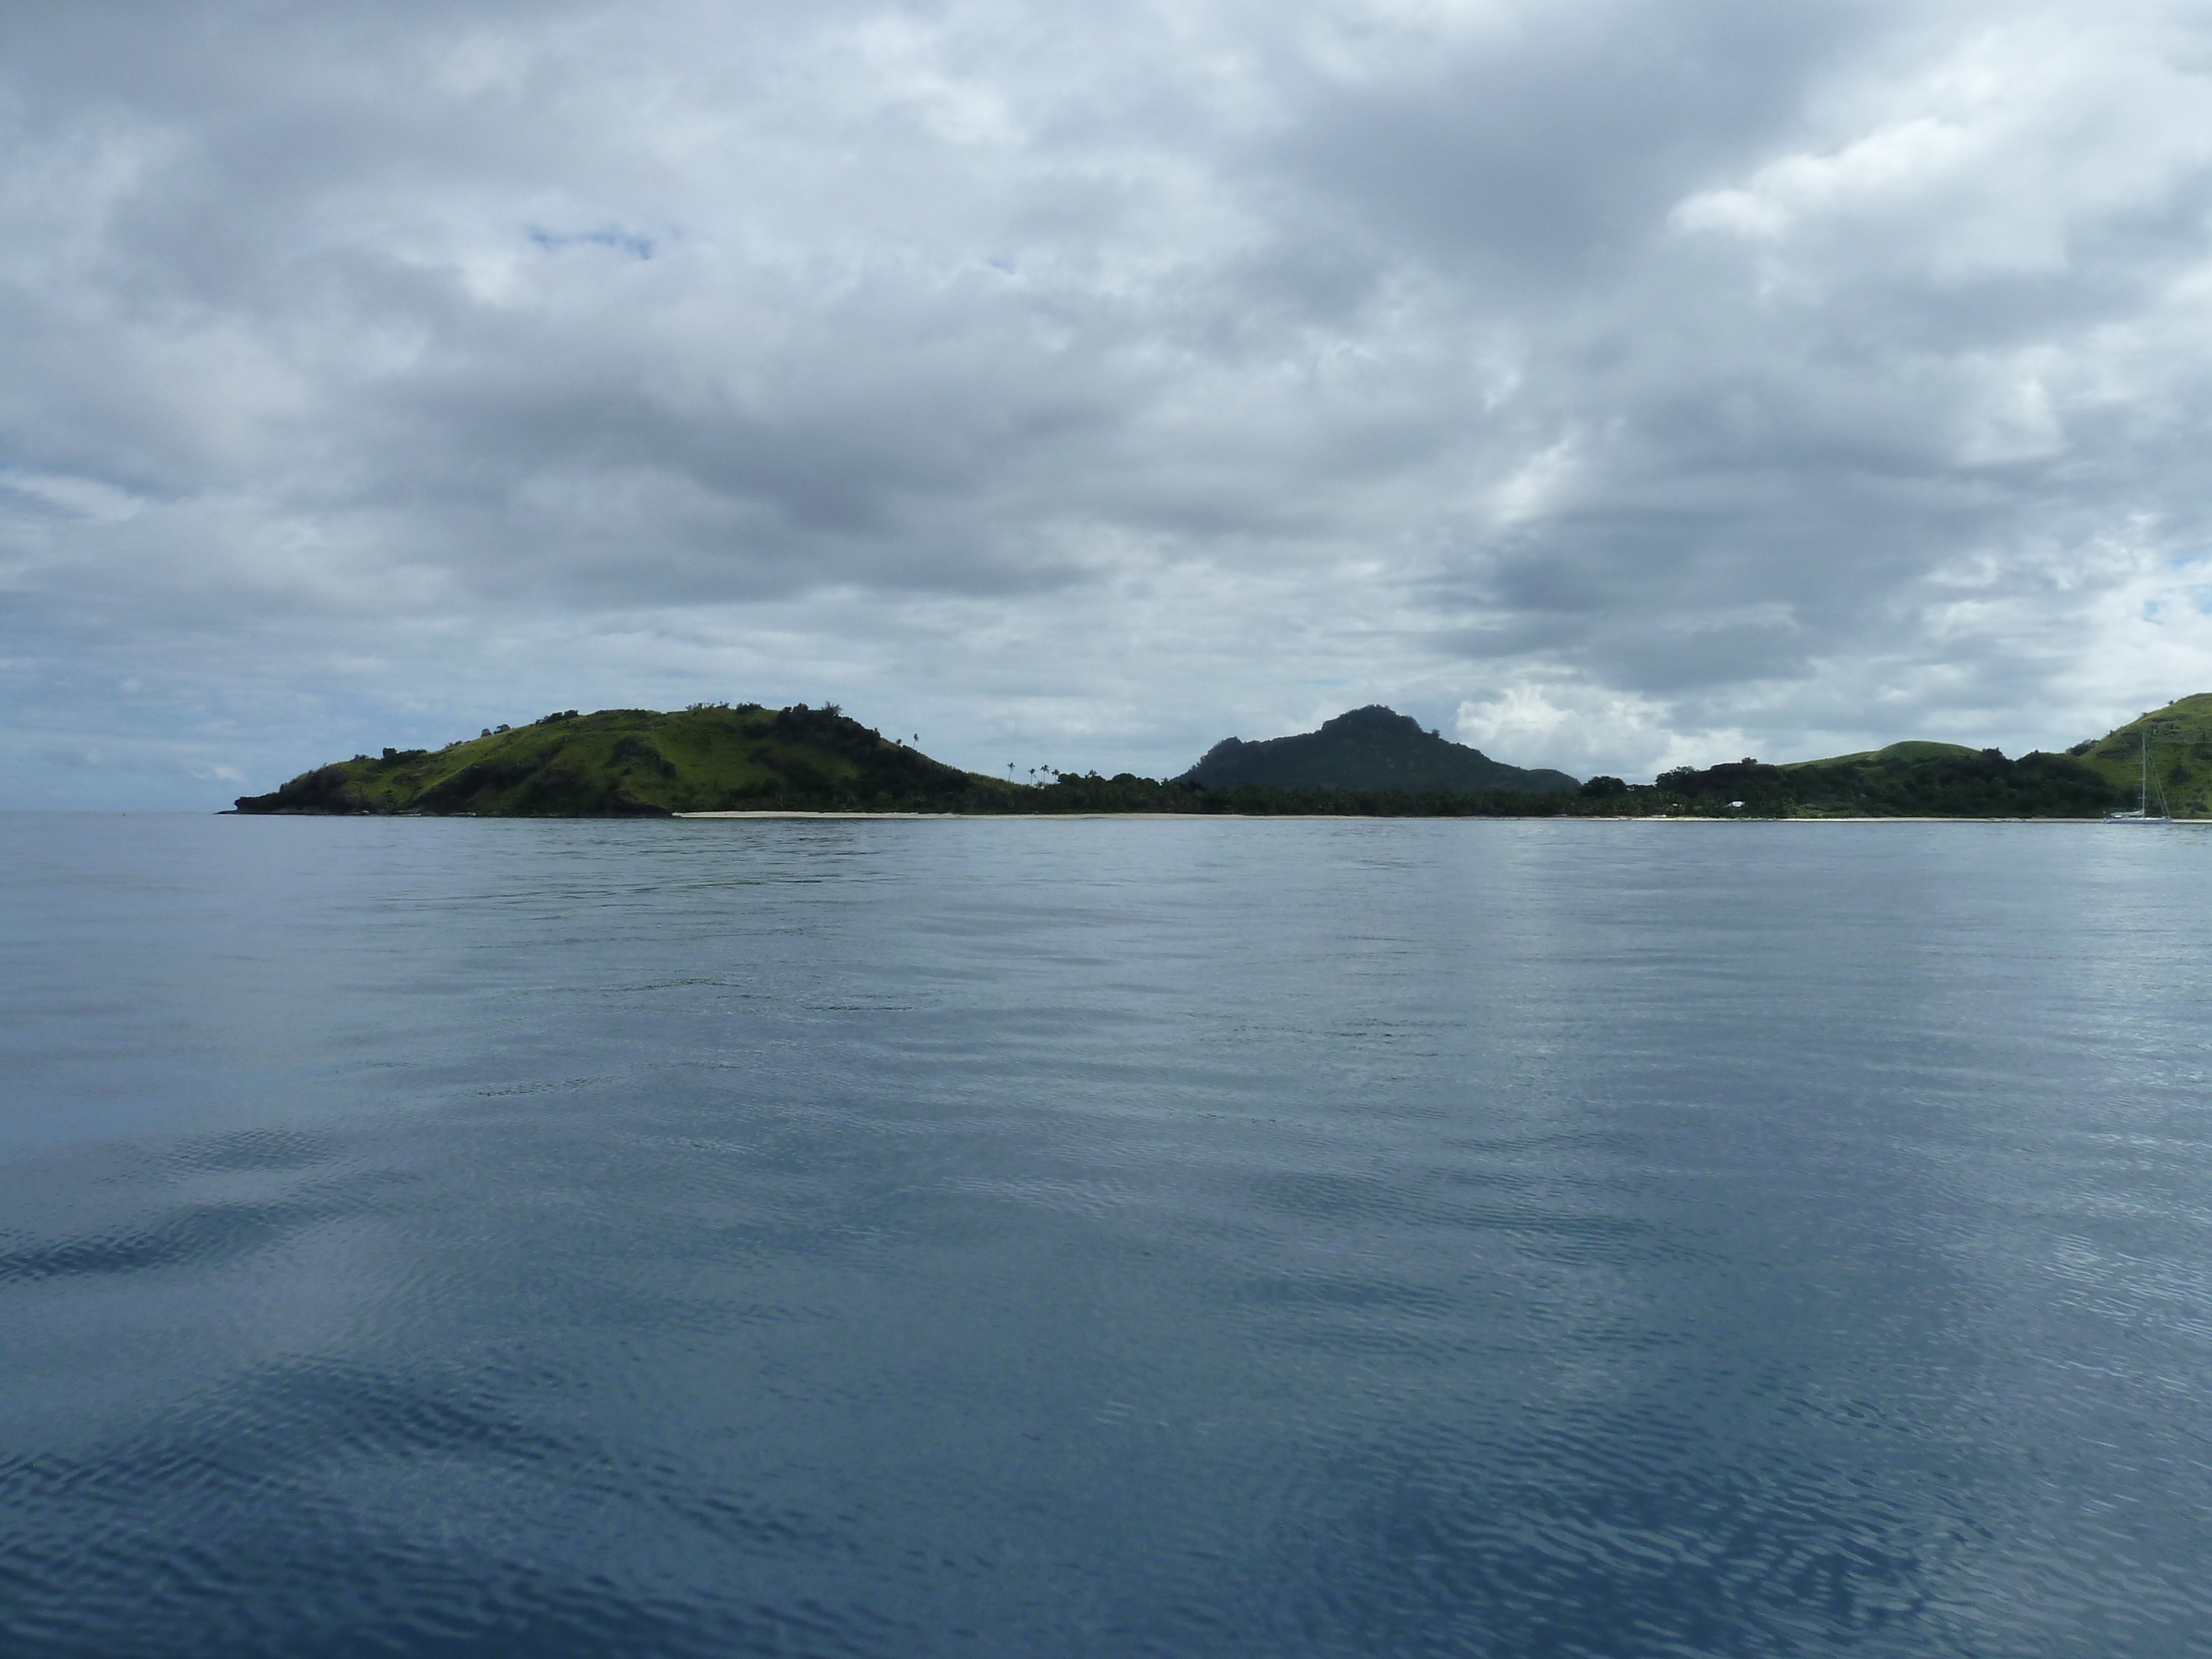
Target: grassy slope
[[2180, 755], [1934, 777], [1912, 748], [636, 762], [1916, 779]]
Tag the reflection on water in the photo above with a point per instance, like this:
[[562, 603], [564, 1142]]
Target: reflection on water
[[1011, 1238]]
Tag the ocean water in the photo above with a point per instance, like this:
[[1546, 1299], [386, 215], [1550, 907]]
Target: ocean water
[[993, 1238]]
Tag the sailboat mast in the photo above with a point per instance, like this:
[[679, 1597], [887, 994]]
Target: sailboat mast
[[2144, 796]]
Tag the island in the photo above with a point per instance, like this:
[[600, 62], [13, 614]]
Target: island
[[1920, 778], [1366, 748], [639, 762], [721, 759]]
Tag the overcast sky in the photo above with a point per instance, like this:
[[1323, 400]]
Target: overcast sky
[[1609, 384]]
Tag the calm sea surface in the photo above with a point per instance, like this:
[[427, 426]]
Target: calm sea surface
[[1103, 1238]]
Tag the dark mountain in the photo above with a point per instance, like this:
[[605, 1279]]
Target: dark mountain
[[1370, 748]]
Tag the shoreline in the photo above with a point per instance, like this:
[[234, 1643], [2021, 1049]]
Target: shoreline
[[1389, 817]]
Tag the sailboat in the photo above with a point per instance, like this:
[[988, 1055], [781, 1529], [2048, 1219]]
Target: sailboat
[[2142, 813]]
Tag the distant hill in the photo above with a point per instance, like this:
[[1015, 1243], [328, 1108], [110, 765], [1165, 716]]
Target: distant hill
[[1907, 779], [1922, 779], [632, 763], [1912, 748], [1918, 779], [1367, 749], [716, 757]]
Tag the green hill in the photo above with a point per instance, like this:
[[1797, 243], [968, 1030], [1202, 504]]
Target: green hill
[[1911, 749], [2180, 755], [1942, 780], [636, 763], [1367, 749], [1918, 779], [715, 758]]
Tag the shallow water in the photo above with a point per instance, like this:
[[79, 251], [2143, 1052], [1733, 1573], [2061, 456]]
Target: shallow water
[[978, 1237]]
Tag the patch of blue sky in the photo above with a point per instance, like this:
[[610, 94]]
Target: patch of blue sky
[[629, 243]]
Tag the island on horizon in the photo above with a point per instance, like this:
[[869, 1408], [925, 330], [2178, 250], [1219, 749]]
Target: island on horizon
[[1369, 748], [1371, 761]]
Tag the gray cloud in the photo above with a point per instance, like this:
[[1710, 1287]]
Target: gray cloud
[[1624, 382]]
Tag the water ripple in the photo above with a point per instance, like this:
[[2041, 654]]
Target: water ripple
[[1326, 1239]]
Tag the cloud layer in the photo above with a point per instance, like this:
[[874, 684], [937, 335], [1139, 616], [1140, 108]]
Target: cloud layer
[[1628, 382]]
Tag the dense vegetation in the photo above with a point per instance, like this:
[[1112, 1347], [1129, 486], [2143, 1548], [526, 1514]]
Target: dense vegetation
[[715, 758], [1365, 750], [636, 762], [2180, 756], [1907, 779], [1126, 793]]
